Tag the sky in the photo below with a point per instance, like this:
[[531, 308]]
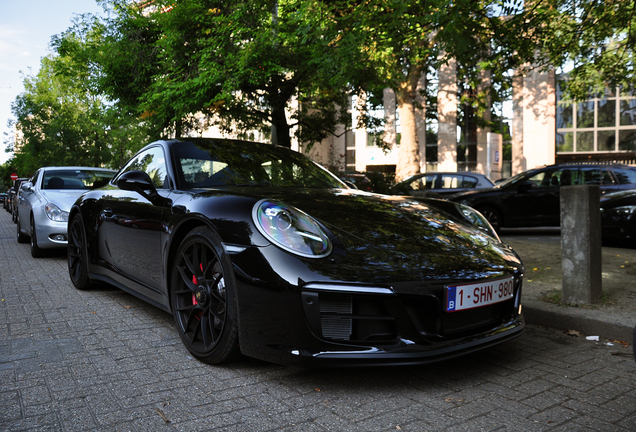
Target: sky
[[26, 27]]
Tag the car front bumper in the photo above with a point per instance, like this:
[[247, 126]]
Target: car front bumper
[[323, 324], [51, 234]]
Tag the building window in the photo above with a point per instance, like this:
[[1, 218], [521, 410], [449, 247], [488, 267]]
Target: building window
[[604, 123]]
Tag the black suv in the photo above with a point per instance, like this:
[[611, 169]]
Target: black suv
[[532, 197]]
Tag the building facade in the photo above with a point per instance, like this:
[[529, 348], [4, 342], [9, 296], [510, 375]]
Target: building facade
[[543, 129]]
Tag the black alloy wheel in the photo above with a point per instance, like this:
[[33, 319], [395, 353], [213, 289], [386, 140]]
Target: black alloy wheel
[[203, 298], [21, 237], [36, 251], [493, 216], [77, 253]]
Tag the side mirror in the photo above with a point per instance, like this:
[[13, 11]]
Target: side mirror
[[140, 182], [137, 181]]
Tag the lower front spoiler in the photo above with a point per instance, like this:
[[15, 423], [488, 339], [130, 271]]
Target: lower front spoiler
[[404, 354]]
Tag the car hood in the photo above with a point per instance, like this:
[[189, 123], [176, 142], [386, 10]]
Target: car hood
[[389, 222], [394, 237], [64, 199], [619, 199], [390, 238]]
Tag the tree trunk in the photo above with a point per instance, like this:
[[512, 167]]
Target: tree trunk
[[408, 163], [281, 134], [177, 128]]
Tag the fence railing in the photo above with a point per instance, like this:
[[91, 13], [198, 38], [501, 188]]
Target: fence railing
[[627, 158]]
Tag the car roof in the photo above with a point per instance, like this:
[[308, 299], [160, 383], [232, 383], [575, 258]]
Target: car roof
[[587, 164], [61, 168], [454, 172]]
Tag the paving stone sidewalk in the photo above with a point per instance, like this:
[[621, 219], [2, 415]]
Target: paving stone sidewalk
[[101, 360]]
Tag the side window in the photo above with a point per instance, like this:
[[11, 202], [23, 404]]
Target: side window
[[451, 181], [417, 184], [423, 183], [34, 178], [625, 176], [542, 179], [595, 176], [561, 177], [469, 182], [606, 177], [153, 162]]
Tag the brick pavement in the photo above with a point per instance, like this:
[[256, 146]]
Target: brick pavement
[[103, 360]]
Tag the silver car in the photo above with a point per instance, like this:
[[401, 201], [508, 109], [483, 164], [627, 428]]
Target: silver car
[[45, 200]]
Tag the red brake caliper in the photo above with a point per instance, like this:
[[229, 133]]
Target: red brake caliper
[[194, 299], [194, 281]]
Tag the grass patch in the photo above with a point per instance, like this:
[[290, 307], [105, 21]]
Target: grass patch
[[554, 296]]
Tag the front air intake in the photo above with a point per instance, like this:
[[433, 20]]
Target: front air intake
[[349, 317], [335, 316]]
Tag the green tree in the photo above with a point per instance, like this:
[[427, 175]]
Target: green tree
[[85, 55], [50, 120], [63, 120], [403, 38], [241, 66]]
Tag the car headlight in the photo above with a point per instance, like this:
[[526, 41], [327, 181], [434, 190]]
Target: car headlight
[[291, 229], [477, 219], [55, 213]]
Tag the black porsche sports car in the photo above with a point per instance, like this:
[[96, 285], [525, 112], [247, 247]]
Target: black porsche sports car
[[257, 250]]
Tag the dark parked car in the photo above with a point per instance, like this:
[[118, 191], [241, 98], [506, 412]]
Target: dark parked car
[[618, 217], [256, 249], [357, 181], [532, 197], [440, 184], [13, 198]]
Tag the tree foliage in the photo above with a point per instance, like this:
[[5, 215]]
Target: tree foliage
[[236, 65], [64, 118], [288, 67]]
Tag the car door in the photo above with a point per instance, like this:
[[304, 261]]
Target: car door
[[131, 226], [535, 201]]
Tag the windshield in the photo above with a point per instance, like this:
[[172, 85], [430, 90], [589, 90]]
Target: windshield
[[213, 163], [75, 178]]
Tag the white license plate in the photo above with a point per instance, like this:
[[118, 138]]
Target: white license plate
[[469, 296]]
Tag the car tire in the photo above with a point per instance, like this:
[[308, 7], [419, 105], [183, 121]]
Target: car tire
[[203, 298], [36, 251], [493, 216], [21, 237], [77, 254]]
